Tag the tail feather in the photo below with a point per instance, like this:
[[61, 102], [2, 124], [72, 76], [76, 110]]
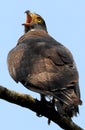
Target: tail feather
[[68, 101]]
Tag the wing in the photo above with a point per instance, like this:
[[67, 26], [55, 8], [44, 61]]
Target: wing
[[45, 66], [30, 53]]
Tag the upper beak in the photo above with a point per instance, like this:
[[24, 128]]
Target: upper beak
[[27, 11]]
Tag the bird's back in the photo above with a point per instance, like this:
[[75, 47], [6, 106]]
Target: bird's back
[[45, 66]]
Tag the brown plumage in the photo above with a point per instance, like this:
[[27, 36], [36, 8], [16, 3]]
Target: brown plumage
[[45, 66]]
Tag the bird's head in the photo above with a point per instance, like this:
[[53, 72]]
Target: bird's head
[[34, 21]]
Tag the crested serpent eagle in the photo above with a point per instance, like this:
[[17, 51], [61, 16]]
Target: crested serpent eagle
[[45, 66]]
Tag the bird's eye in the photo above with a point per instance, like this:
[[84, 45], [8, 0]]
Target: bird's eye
[[39, 20]]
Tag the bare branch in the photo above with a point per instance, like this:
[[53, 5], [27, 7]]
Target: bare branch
[[27, 101]]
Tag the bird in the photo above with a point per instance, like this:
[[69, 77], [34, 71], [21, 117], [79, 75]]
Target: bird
[[45, 66]]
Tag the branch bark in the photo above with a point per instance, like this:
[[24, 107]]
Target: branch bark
[[27, 101]]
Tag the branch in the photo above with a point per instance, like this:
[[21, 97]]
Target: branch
[[27, 101]]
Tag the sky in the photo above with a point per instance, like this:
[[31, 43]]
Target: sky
[[66, 23]]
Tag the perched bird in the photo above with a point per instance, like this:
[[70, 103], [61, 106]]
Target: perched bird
[[45, 66]]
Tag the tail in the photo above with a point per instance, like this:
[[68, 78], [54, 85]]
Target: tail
[[67, 102]]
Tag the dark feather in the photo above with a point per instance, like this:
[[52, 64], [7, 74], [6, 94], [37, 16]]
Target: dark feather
[[45, 66]]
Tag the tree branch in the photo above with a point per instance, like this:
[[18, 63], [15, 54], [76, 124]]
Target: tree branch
[[27, 101]]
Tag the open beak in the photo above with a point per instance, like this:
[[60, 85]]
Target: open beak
[[28, 18]]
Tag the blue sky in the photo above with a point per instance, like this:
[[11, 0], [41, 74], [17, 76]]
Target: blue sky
[[66, 23]]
